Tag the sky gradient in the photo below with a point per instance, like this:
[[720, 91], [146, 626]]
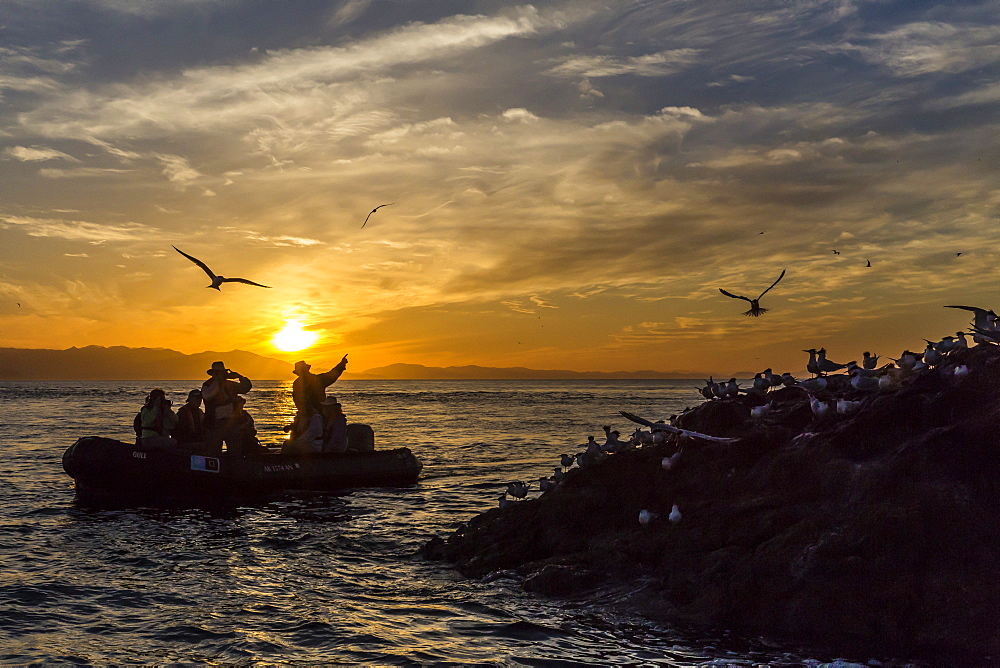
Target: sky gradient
[[572, 181]]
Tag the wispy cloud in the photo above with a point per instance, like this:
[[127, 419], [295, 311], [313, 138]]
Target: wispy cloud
[[77, 230], [36, 154], [650, 65]]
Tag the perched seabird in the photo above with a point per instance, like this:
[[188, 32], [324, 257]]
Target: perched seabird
[[932, 356], [566, 460], [887, 382], [844, 406], [732, 389], [825, 365], [593, 447], [675, 514], [773, 379], [646, 516], [505, 502], [373, 211], [854, 370], [755, 308], [819, 408], [545, 484], [216, 280], [870, 361], [907, 360], [558, 475], [761, 384], [788, 380], [518, 489], [813, 385], [758, 412], [612, 442], [812, 366], [670, 462], [863, 383], [960, 341], [708, 391]]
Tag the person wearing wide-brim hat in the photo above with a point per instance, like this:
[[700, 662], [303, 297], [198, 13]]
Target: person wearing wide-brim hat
[[219, 394], [309, 391]]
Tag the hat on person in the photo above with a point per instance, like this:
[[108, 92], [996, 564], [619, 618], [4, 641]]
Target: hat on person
[[217, 367], [301, 367]]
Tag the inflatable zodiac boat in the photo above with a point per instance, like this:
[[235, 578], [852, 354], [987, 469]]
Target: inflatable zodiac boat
[[110, 472]]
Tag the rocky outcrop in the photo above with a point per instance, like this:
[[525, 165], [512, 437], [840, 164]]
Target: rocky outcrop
[[876, 530]]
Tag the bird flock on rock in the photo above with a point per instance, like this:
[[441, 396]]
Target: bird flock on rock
[[835, 389]]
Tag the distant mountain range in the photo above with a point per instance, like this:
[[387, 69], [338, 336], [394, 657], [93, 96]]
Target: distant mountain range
[[122, 363]]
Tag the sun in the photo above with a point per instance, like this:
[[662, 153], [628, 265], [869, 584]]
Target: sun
[[292, 337]]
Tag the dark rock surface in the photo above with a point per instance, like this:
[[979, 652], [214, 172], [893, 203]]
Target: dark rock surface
[[877, 531]]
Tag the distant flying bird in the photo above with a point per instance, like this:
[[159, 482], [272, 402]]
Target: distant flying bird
[[755, 308], [868, 263], [836, 252], [373, 211], [958, 255], [216, 280]]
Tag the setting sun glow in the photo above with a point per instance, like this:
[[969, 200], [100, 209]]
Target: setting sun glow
[[292, 337]]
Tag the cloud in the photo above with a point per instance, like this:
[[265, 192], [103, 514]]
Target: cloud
[[79, 172], [930, 47], [76, 230], [657, 64], [35, 154], [177, 169], [290, 84]]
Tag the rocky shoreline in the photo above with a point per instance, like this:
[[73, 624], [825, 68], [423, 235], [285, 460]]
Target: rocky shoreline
[[874, 531]]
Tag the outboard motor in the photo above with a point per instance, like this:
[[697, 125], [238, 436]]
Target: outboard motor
[[360, 438]]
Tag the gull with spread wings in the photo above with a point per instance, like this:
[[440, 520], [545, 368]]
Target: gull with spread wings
[[755, 307], [373, 211], [217, 280]]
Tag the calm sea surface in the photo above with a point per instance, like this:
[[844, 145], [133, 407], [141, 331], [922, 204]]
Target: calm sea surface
[[320, 579]]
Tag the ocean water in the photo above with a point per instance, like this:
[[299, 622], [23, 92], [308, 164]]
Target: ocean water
[[318, 579]]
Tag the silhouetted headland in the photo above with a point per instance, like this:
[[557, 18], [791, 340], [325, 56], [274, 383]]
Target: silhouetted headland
[[874, 530]]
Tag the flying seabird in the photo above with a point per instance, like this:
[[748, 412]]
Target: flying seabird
[[373, 211], [755, 308], [216, 280], [662, 426]]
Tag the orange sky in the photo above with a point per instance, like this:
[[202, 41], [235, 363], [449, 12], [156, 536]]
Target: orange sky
[[572, 181]]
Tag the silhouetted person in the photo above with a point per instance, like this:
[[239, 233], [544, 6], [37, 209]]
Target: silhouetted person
[[190, 420], [156, 419], [220, 396], [309, 392]]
